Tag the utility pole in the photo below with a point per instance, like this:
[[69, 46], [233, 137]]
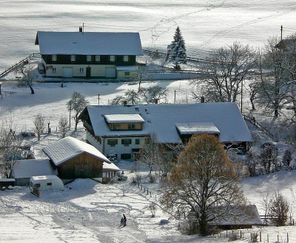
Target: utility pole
[[175, 96], [241, 106], [281, 32], [70, 117]]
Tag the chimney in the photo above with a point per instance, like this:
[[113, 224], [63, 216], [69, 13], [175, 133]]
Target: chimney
[[202, 99], [80, 29]]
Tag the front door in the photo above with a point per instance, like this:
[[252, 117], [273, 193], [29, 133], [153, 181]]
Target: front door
[[88, 72], [110, 72]]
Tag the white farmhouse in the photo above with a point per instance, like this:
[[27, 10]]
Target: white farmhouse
[[107, 55], [121, 130]]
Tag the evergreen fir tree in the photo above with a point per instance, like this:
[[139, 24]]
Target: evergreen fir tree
[[176, 52]]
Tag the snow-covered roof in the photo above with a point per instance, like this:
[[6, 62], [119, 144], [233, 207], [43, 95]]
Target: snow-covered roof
[[110, 166], [197, 128], [32, 167], [89, 43], [69, 147], [237, 215], [44, 178], [161, 119], [123, 118]]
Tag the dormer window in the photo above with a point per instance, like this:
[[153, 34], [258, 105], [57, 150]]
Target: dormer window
[[54, 58], [124, 122], [125, 58], [112, 58]]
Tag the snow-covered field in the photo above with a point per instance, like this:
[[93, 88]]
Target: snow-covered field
[[19, 106], [205, 24], [88, 211]]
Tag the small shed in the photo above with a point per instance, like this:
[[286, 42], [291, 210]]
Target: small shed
[[23, 170], [110, 170], [76, 159], [237, 217], [45, 183]]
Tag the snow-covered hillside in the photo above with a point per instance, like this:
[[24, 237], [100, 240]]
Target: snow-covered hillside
[[204, 24]]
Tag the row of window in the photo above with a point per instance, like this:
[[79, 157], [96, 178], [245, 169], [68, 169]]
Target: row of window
[[54, 58], [81, 70], [125, 141]]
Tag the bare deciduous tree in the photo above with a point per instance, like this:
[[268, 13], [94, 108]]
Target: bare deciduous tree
[[225, 70], [203, 179], [9, 149], [63, 126], [27, 76], [39, 123], [273, 89], [154, 94], [268, 157], [279, 209], [77, 103]]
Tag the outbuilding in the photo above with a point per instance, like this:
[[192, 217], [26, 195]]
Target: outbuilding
[[75, 159]]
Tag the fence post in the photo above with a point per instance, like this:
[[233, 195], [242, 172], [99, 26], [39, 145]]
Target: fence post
[[287, 237], [267, 238], [260, 236], [278, 238], [147, 191]]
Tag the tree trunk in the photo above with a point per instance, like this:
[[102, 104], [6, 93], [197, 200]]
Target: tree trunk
[[203, 225], [32, 90]]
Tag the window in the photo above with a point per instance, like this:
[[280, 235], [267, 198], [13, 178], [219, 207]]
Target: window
[[37, 185], [126, 73], [126, 141], [88, 58], [54, 70], [54, 58], [49, 184], [131, 126], [125, 58], [112, 142], [112, 58], [137, 141], [98, 58], [126, 156], [81, 70], [73, 58]]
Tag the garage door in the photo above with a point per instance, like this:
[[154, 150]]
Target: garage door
[[110, 72], [68, 72]]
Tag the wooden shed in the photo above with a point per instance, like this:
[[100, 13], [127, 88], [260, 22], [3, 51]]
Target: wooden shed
[[75, 159]]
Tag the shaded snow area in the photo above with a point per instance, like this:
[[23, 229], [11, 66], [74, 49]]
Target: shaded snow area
[[85, 212]]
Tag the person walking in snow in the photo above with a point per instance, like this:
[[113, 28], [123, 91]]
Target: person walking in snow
[[124, 220]]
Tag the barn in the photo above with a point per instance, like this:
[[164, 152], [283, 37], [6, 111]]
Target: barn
[[75, 159]]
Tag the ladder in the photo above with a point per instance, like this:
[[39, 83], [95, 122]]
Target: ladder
[[21, 63]]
